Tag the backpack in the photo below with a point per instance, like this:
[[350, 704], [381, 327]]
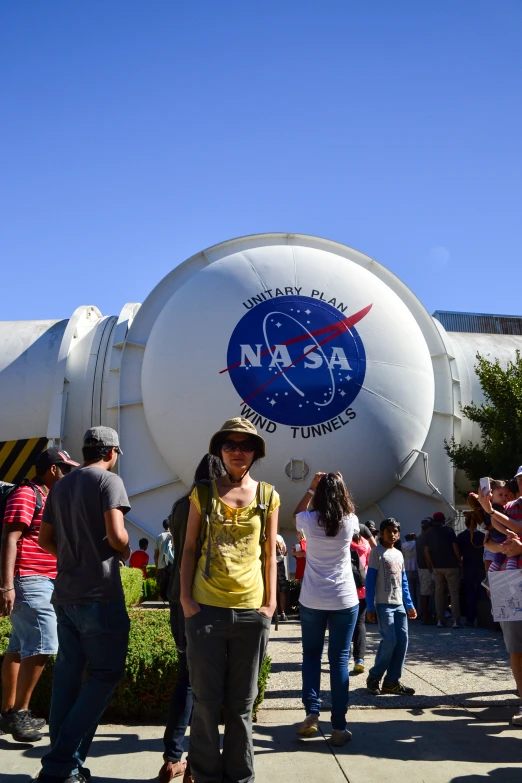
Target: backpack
[[169, 551], [6, 490], [178, 526], [357, 570]]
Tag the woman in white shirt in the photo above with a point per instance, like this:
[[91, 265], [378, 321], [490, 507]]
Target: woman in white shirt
[[328, 598]]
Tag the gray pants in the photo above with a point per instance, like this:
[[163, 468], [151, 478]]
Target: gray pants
[[225, 649]]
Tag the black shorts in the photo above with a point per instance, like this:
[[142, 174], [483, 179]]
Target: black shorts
[[162, 578], [282, 581]]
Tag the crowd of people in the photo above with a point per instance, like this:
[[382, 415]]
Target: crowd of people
[[222, 567]]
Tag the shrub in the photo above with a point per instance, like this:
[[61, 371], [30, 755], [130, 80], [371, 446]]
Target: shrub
[[262, 682], [132, 583], [150, 589], [150, 674], [150, 570]]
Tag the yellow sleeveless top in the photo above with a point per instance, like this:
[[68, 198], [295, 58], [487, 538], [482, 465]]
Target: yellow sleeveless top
[[235, 581]]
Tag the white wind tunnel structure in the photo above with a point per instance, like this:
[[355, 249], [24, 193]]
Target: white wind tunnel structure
[[333, 358]]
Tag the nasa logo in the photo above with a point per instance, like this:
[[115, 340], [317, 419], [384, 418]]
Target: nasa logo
[[297, 360]]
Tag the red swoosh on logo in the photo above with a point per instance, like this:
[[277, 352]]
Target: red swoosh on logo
[[343, 325]]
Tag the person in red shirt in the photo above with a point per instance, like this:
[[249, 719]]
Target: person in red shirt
[[140, 558], [300, 555], [363, 549], [26, 588]]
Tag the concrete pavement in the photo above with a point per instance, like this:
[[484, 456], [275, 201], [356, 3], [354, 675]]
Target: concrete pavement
[[468, 667], [445, 745], [454, 730]]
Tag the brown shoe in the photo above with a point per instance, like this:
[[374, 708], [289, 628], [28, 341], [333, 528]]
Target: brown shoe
[[170, 770]]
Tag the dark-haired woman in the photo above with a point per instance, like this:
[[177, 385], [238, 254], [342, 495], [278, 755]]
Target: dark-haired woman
[[209, 468], [328, 598], [228, 595]]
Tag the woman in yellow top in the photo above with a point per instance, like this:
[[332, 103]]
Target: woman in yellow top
[[228, 595]]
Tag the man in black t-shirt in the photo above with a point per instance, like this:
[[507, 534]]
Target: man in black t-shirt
[[426, 579], [83, 528], [443, 556], [472, 553]]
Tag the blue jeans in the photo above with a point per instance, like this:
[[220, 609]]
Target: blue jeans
[[181, 701], [391, 654], [473, 591], [92, 637], [341, 624]]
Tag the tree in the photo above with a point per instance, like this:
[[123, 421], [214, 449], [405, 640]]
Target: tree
[[500, 421]]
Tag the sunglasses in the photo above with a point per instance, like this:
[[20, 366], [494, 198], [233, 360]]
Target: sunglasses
[[245, 446]]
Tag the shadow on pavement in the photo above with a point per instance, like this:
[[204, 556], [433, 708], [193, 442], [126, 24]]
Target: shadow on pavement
[[461, 738], [500, 775]]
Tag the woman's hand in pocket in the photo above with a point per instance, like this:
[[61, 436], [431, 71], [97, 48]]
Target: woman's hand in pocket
[[190, 607], [268, 611]]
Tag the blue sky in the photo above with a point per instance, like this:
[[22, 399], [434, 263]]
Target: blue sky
[[136, 133]]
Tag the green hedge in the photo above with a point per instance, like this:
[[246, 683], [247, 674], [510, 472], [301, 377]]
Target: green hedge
[[150, 589], [150, 675], [132, 583]]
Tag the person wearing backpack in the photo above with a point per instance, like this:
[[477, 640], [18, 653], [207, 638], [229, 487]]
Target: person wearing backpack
[[180, 711], [228, 595], [26, 587], [328, 598], [163, 558], [360, 549]]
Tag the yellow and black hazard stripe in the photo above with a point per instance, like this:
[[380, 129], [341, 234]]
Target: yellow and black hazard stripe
[[17, 458]]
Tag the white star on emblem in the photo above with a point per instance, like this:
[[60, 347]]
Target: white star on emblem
[[278, 324], [308, 312], [342, 393], [272, 401], [348, 377]]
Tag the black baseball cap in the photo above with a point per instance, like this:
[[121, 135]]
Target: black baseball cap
[[53, 457]]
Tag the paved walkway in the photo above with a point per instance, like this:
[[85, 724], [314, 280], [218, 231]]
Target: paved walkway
[[441, 735], [466, 668], [445, 745]]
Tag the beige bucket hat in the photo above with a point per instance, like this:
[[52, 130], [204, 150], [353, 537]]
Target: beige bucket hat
[[241, 426]]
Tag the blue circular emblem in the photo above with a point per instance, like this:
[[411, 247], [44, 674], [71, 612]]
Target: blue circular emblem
[[296, 360]]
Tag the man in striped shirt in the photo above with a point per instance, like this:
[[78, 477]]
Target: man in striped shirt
[[26, 588]]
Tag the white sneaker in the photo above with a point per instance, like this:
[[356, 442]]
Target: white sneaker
[[440, 624], [456, 624], [517, 719]]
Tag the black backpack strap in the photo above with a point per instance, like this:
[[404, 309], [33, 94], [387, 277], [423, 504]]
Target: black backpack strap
[[206, 496], [38, 501]]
